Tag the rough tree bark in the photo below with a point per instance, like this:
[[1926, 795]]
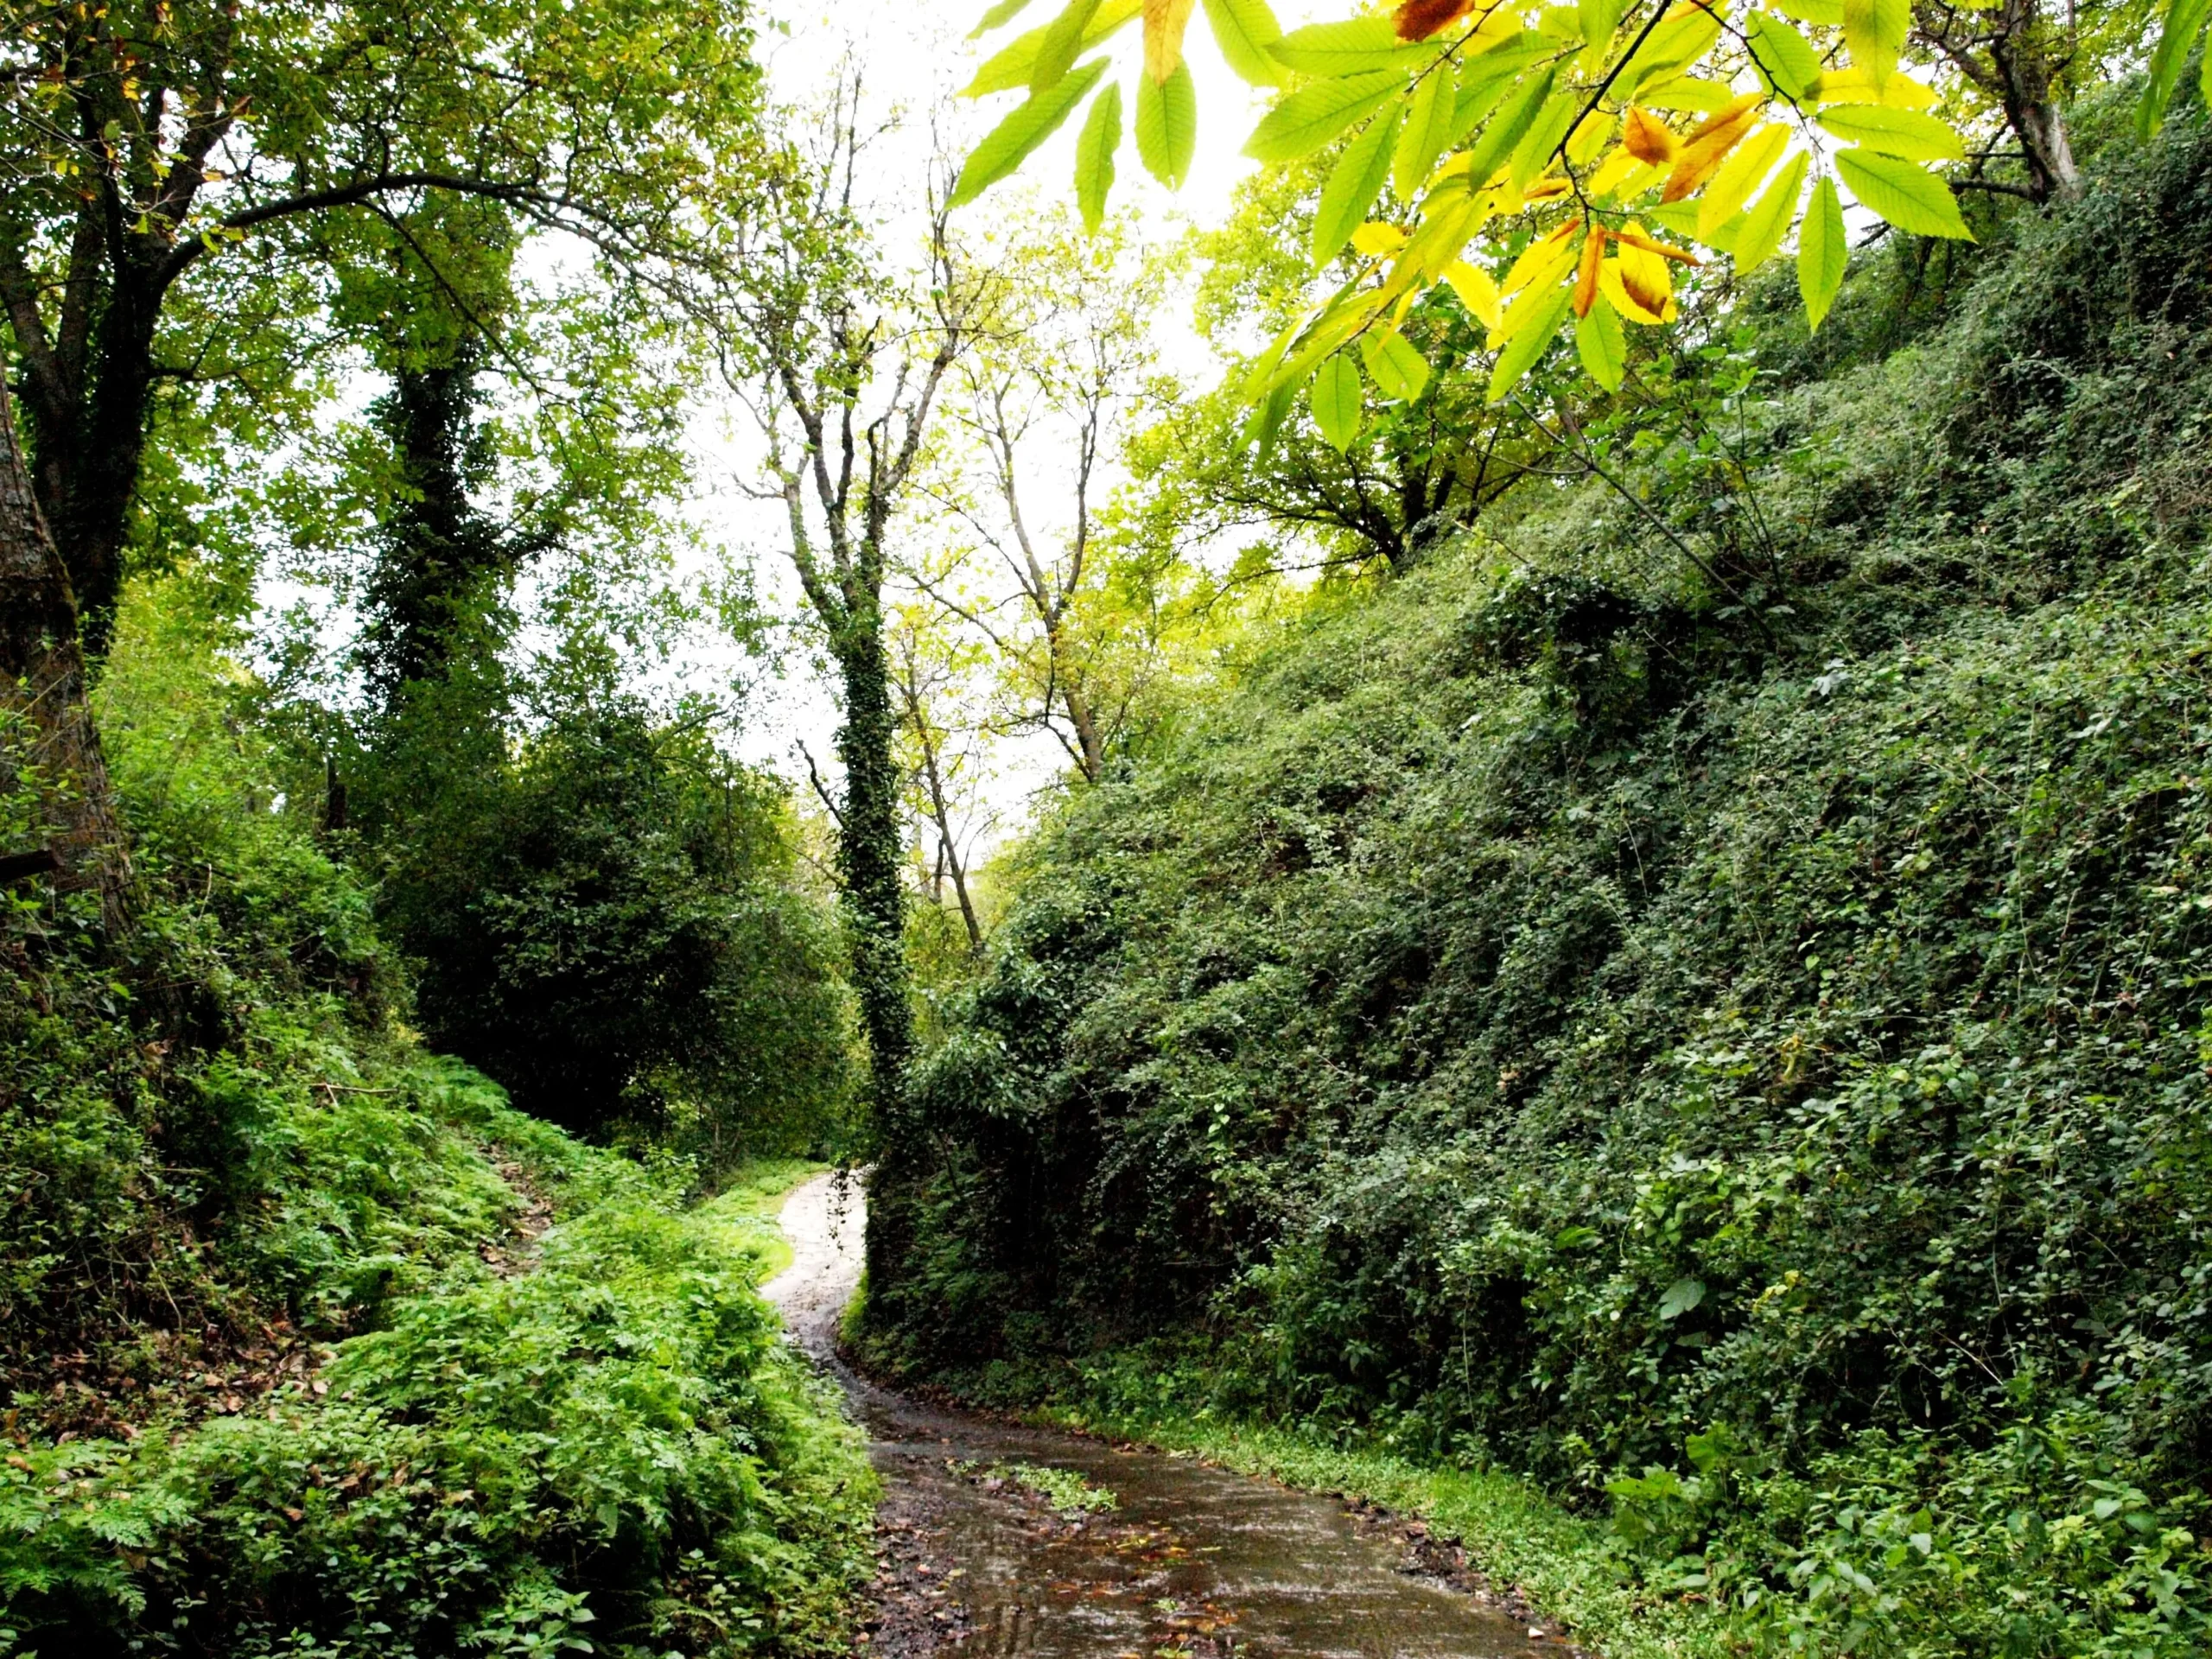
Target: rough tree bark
[[2016, 57], [55, 747]]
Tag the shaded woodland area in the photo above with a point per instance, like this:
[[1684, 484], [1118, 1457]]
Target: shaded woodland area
[[1615, 899]]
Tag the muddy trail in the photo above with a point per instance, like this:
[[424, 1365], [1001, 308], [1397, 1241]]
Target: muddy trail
[[1190, 1560]]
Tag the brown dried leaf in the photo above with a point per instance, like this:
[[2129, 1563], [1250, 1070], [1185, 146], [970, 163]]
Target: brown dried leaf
[[1585, 277], [1647, 138], [1419, 19]]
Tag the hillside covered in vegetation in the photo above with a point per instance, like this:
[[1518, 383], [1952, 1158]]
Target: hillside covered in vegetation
[[410, 1006], [313, 1344], [1693, 989], [1521, 812]]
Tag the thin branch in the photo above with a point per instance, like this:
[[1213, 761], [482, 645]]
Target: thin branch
[[814, 778]]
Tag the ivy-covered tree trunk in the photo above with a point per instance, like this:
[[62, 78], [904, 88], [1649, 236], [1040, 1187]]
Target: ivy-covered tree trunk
[[437, 594], [844, 363], [869, 868], [869, 848], [48, 739]]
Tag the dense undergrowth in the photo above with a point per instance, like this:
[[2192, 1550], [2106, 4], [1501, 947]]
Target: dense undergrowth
[[1730, 1044], [314, 1344]]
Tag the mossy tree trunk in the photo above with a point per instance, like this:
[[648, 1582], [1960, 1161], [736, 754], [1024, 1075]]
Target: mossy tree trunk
[[843, 364], [52, 746], [870, 854]]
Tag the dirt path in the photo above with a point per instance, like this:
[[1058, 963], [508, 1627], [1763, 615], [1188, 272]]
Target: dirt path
[[1189, 1562], [823, 1219]]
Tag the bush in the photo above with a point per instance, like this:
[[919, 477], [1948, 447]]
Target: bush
[[159, 1091], [610, 925], [611, 1452], [1751, 1078], [286, 1372]]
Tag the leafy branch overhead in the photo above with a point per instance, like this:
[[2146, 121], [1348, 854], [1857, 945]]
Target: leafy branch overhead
[[1551, 167]]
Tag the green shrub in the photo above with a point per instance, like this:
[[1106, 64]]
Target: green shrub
[[609, 924], [268, 1388], [1748, 1073], [611, 1452]]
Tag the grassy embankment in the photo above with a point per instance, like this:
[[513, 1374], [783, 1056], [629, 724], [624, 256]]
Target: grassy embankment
[[757, 1191]]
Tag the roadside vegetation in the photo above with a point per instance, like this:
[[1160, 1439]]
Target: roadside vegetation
[[409, 1004], [1721, 1037], [315, 1343], [1620, 956]]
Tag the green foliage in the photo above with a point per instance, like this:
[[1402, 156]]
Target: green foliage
[[438, 585], [189, 749], [1697, 995], [1549, 115], [159, 1091], [1069, 1493], [291, 1369], [608, 924], [2044, 1542], [614, 1439], [1367, 484], [197, 206]]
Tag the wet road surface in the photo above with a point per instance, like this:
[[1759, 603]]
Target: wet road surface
[[1193, 1561]]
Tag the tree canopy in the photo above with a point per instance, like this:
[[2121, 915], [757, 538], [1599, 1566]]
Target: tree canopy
[[179, 184], [1553, 169]]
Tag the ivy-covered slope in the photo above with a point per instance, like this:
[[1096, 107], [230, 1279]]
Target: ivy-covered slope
[[312, 1345], [1753, 1073]]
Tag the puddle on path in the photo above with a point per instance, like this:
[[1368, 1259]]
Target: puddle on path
[[1193, 1561]]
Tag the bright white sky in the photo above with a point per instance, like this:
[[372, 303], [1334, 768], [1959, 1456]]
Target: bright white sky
[[915, 55], [916, 50]]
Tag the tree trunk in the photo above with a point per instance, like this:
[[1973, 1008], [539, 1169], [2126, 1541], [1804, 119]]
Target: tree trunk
[[55, 748], [435, 594], [947, 852], [1090, 742], [2036, 118], [2012, 54], [87, 417], [869, 849], [95, 513], [869, 857]]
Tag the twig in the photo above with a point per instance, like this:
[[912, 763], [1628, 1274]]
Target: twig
[[1657, 523], [814, 778]]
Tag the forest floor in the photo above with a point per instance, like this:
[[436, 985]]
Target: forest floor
[[998, 1536]]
